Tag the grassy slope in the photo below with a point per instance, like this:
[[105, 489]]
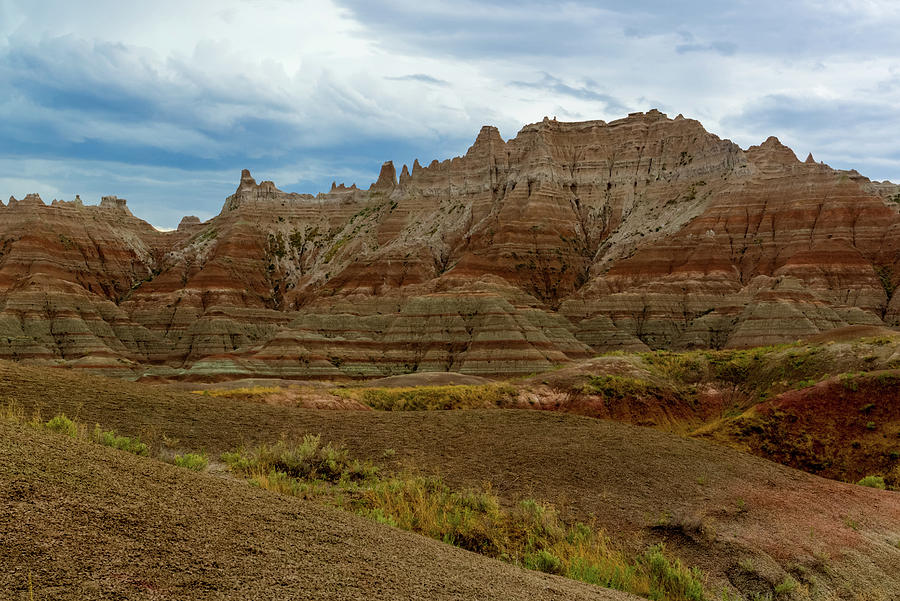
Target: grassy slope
[[88, 522], [743, 520], [845, 427], [828, 407]]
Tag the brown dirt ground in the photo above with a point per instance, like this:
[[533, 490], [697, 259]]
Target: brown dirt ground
[[714, 507], [88, 522]]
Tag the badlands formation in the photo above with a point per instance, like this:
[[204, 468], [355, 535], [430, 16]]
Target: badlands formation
[[568, 240]]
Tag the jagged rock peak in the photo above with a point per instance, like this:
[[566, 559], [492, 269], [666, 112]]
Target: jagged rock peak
[[404, 175], [32, 199], [810, 160], [489, 140], [772, 152], [189, 221], [113, 202], [387, 179], [247, 181]]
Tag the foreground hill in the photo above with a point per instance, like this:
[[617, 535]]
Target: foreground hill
[[751, 525], [81, 521], [569, 239]]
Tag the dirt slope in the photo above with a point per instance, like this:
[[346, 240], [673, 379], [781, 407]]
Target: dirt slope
[[748, 523], [87, 522], [843, 427]]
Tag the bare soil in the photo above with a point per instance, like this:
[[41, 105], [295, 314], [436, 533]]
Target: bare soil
[[80, 521], [747, 522]]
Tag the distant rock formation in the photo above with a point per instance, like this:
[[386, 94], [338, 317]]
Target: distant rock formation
[[567, 240], [189, 222]]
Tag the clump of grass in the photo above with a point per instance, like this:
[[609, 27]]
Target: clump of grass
[[192, 461], [670, 579], [123, 443], [787, 586], [429, 398], [620, 387], [12, 411], [873, 482], [63, 425], [687, 368], [543, 561], [530, 534], [309, 460]]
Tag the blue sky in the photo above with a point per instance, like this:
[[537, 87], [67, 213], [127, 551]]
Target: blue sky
[[164, 103]]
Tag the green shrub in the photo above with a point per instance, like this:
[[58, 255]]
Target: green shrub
[[123, 443], [669, 579], [63, 425], [873, 482], [309, 460], [191, 461], [430, 398], [543, 561], [788, 585]]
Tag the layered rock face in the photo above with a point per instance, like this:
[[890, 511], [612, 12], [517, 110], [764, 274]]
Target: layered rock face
[[568, 240]]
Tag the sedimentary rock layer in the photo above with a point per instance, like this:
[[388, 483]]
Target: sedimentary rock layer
[[569, 239]]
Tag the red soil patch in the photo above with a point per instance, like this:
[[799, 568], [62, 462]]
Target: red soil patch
[[845, 427]]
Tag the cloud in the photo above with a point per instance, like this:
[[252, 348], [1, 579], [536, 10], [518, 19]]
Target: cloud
[[422, 78], [554, 85], [845, 133], [146, 97], [723, 48]]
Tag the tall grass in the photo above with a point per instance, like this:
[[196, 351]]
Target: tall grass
[[421, 398], [756, 373], [308, 460], [530, 534]]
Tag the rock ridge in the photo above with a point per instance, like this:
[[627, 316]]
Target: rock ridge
[[522, 254]]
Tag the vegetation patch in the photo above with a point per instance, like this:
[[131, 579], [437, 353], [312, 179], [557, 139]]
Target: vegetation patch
[[192, 461], [61, 424], [123, 443], [751, 375], [239, 392], [530, 534], [427, 398], [307, 460], [873, 482]]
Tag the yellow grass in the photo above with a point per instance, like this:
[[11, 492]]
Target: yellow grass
[[419, 398], [239, 392], [531, 534]]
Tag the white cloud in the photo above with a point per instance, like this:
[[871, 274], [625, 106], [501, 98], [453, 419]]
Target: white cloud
[[317, 90]]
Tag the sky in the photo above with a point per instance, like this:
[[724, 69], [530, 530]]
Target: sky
[[164, 102]]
